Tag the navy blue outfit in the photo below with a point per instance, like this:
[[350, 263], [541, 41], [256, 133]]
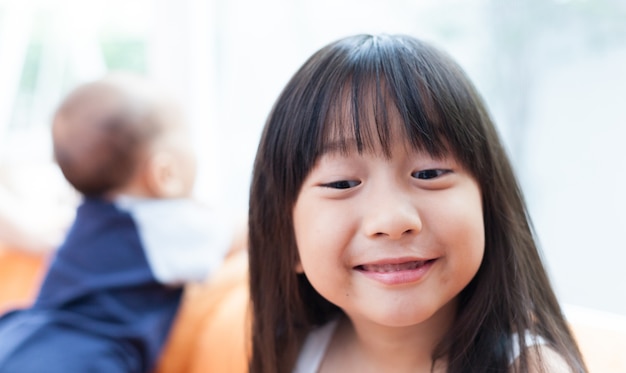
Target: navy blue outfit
[[100, 308]]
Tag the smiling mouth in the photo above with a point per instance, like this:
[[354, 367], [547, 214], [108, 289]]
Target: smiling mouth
[[393, 267]]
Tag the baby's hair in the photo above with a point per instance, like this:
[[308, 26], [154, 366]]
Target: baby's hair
[[101, 129], [333, 96]]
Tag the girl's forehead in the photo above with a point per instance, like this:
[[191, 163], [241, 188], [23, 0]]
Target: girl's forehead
[[379, 134], [376, 115], [396, 149]]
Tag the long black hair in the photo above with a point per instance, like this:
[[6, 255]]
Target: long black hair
[[441, 112]]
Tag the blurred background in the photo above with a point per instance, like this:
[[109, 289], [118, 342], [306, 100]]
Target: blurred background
[[553, 74]]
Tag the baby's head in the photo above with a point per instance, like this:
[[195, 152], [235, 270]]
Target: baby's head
[[121, 135]]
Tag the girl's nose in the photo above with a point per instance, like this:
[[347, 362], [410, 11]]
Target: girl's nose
[[392, 214]]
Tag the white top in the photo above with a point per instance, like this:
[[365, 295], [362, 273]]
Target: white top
[[314, 348], [316, 344], [183, 241]]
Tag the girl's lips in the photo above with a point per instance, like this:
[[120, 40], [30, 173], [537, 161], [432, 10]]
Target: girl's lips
[[392, 267], [396, 272]]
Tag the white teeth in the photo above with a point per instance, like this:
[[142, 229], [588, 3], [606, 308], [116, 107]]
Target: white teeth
[[393, 267]]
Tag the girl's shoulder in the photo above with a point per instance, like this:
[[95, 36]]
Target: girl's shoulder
[[314, 347], [541, 357]]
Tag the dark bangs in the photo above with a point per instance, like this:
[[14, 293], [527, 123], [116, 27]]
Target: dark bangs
[[372, 86]]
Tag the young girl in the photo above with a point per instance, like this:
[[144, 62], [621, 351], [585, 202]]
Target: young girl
[[387, 230]]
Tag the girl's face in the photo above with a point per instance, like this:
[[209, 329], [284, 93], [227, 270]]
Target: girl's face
[[390, 240]]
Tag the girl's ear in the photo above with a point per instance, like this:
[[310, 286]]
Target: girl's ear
[[163, 175], [298, 267]]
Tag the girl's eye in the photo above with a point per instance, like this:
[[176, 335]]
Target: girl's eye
[[429, 174], [342, 184]]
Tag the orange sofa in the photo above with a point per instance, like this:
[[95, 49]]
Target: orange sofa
[[211, 329], [20, 275]]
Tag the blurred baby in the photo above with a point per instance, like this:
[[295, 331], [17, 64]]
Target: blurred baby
[[114, 286]]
